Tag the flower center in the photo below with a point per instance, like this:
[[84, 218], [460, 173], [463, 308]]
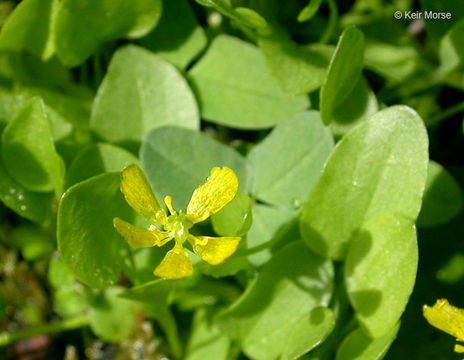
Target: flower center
[[179, 225]]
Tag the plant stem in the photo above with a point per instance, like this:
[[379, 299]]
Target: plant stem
[[7, 338], [455, 109]]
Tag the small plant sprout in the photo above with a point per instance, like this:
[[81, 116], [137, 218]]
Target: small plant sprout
[[447, 318], [208, 198]]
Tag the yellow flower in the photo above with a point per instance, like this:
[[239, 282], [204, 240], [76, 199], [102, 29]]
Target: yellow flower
[[447, 318], [208, 198]]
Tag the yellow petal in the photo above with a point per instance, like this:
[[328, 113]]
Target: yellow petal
[[139, 195], [446, 317], [175, 265], [459, 348], [213, 194], [139, 237], [214, 250]]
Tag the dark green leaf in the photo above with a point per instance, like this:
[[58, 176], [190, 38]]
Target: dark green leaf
[[82, 26], [178, 38], [87, 240], [97, 159], [442, 197], [29, 152]]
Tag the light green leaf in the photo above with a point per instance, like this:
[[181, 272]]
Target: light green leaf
[[359, 105], [344, 70], [68, 294], [187, 156], [297, 70], [268, 221], [250, 18], [33, 243], [236, 90], [309, 10], [97, 159], [286, 165], [154, 93], [357, 346], [380, 271], [451, 50], [393, 62], [378, 167], [111, 317], [442, 197], [178, 38], [29, 152], [235, 218], [30, 27], [82, 26], [206, 341], [280, 314], [30, 205], [87, 240]]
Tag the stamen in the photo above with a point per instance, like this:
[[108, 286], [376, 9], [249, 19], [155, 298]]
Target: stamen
[[168, 202]]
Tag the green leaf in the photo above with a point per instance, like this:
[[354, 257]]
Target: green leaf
[[309, 10], [442, 197], [357, 346], [187, 156], [178, 38], [250, 18], [378, 167], [235, 218], [68, 294], [359, 105], [29, 152], [380, 271], [297, 69], [33, 243], [451, 50], [111, 317], [30, 27], [72, 106], [235, 89], [286, 165], [154, 93], [438, 28], [82, 26], [280, 314], [28, 69], [393, 62], [206, 341], [344, 70], [87, 240], [30, 205], [268, 221], [97, 159]]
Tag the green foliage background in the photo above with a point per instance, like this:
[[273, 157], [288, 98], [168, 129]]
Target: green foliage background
[[342, 123]]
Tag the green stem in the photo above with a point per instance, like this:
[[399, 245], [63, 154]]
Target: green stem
[[333, 19], [7, 338], [455, 109]]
